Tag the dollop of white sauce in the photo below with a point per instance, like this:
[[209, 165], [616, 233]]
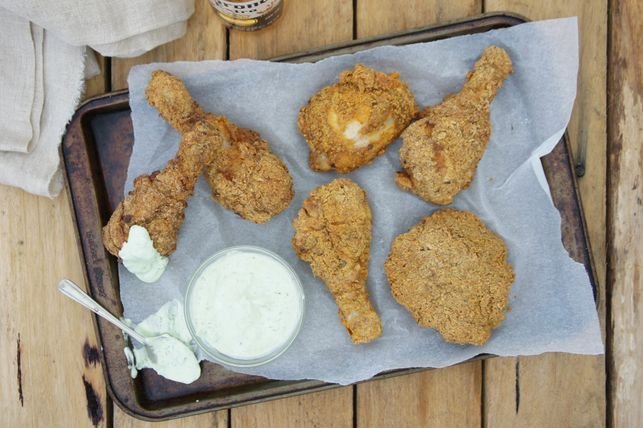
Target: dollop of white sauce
[[170, 318], [171, 357], [245, 305], [140, 257]]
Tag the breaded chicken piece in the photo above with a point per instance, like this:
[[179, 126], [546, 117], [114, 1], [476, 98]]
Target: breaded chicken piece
[[158, 200], [452, 274], [440, 153], [245, 176], [348, 124], [333, 234]]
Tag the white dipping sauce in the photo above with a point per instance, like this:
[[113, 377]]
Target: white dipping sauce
[[245, 305], [171, 357], [140, 257]]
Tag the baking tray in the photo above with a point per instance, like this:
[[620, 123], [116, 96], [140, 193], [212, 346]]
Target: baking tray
[[96, 150]]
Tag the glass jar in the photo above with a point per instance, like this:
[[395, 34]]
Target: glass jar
[[248, 15], [230, 308]]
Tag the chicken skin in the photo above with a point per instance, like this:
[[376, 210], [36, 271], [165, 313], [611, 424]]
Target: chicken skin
[[440, 153], [333, 234], [348, 124], [245, 176], [158, 200]]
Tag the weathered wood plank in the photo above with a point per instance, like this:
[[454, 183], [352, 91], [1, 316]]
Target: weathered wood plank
[[587, 125], [204, 39], [625, 211], [47, 343], [332, 408], [555, 389], [96, 85], [384, 16], [446, 397], [206, 420], [50, 359], [304, 25], [548, 390], [449, 397]]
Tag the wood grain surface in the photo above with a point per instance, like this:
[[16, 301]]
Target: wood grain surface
[[625, 204], [48, 353], [557, 389], [49, 370], [437, 397], [304, 25], [205, 39], [448, 397], [332, 408], [375, 17], [209, 420], [47, 343], [98, 84]]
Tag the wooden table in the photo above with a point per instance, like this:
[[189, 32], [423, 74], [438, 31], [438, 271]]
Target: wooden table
[[49, 369]]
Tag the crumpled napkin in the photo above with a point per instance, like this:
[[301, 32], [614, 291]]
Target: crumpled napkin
[[44, 61]]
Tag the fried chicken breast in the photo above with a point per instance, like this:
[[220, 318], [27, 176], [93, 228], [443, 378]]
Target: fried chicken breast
[[452, 274], [440, 153], [245, 176], [348, 124], [333, 234], [158, 200]]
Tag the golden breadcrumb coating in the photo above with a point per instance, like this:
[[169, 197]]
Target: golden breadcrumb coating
[[168, 94], [333, 234], [158, 200], [245, 176], [440, 153], [452, 274], [348, 124]]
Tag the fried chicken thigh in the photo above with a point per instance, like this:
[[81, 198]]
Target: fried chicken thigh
[[452, 274], [158, 201], [245, 176], [440, 153], [350, 123], [333, 234]]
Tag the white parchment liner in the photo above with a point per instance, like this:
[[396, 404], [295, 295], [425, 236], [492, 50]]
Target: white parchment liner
[[551, 303]]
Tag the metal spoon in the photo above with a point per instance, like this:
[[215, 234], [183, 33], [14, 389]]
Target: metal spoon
[[71, 290]]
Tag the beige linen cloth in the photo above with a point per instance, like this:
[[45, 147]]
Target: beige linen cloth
[[44, 60]]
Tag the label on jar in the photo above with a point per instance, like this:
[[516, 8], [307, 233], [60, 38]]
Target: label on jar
[[244, 9]]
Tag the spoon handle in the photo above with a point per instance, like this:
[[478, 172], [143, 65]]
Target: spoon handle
[[71, 290]]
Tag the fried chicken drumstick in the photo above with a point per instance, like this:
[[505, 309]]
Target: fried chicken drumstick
[[245, 176], [440, 153], [158, 200], [333, 234], [348, 124]]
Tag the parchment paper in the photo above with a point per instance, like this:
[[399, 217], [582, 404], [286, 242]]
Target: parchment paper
[[551, 303]]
